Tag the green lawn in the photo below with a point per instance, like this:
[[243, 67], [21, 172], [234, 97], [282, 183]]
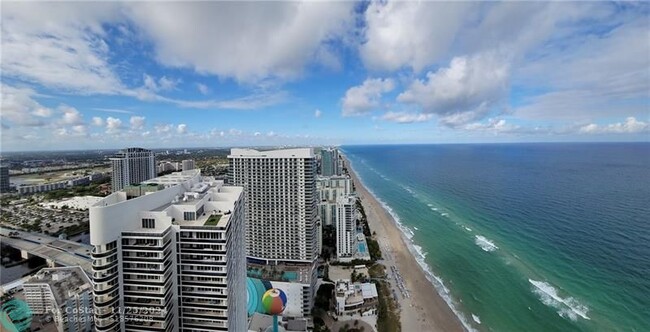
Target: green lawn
[[213, 220]]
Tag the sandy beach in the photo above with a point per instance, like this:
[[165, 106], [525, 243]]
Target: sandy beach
[[423, 309]]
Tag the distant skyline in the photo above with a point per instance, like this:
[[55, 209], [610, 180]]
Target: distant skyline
[[95, 75]]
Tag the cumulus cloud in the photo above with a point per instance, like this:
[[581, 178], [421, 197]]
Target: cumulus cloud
[[181, 129], [113, 125], [364, 98], [318, 113], [630, 126], [20, 107], [410, 34], [97, 121], [50, 43], [241, 40], [42, 112], [163, 128], [70, 115], [405, 117], [80, 130], [463, 91], [137, 122]]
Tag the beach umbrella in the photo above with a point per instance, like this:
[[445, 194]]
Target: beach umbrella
[[274, 301]]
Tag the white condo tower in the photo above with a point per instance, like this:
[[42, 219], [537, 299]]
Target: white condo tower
[[169, 256], [281, 211]]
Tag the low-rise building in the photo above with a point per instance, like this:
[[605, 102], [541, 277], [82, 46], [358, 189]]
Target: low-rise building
[[263, 323], [355, 299], [65, 293]]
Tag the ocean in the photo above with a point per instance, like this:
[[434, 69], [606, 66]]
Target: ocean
[[524, 237]]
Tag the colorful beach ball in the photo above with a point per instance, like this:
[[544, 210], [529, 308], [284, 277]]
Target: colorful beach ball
[[274, 300]]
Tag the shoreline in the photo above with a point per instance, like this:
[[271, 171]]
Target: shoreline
[[424, 309]]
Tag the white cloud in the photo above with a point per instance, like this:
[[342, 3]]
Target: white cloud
[[59, 45], [163, 129], [203, 88], [254, 101], [20, 108], [630, 126], [410, 34], [181, 129], [70, 115], [137, 122], [493, 125], [405, 117], [163, 84], [257, 133], [80, 129], [362, 99], [241, 40], [318, 113], [97, 121], [463, 91], [271, 134], [43, 112], [61, 132], [598, 76], [51, 43], [113, 125]]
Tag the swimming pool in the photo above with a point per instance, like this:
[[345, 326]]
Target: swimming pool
[[362, 248]]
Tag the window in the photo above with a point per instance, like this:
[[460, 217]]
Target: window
[[148, 223]]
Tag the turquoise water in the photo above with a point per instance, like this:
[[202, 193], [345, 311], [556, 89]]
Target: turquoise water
[[525, 237], [362, 248]]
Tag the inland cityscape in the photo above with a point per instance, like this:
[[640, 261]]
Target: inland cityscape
[[329, 166]]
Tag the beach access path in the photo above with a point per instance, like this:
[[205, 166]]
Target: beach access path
[[423, 309]]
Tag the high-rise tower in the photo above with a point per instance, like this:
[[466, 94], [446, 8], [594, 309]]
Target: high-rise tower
[[169, 256], [281, 212], [132, 165]]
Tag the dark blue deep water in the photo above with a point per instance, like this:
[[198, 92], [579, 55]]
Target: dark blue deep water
[[525, 237]]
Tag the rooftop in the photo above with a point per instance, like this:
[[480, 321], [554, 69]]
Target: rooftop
[[281, 153], [287, 272], [63, 281]]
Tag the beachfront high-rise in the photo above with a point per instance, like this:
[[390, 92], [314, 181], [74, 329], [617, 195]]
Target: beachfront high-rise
[[132, 165], [329, 190], [346, 228], [281, 212], [169, 256], [329, 162]]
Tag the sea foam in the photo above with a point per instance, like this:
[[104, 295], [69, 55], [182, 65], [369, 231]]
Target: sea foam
[[567, 307], [485, 244], [420, 256]]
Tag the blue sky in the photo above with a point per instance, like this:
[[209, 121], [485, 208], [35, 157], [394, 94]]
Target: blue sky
[[201, 74]]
